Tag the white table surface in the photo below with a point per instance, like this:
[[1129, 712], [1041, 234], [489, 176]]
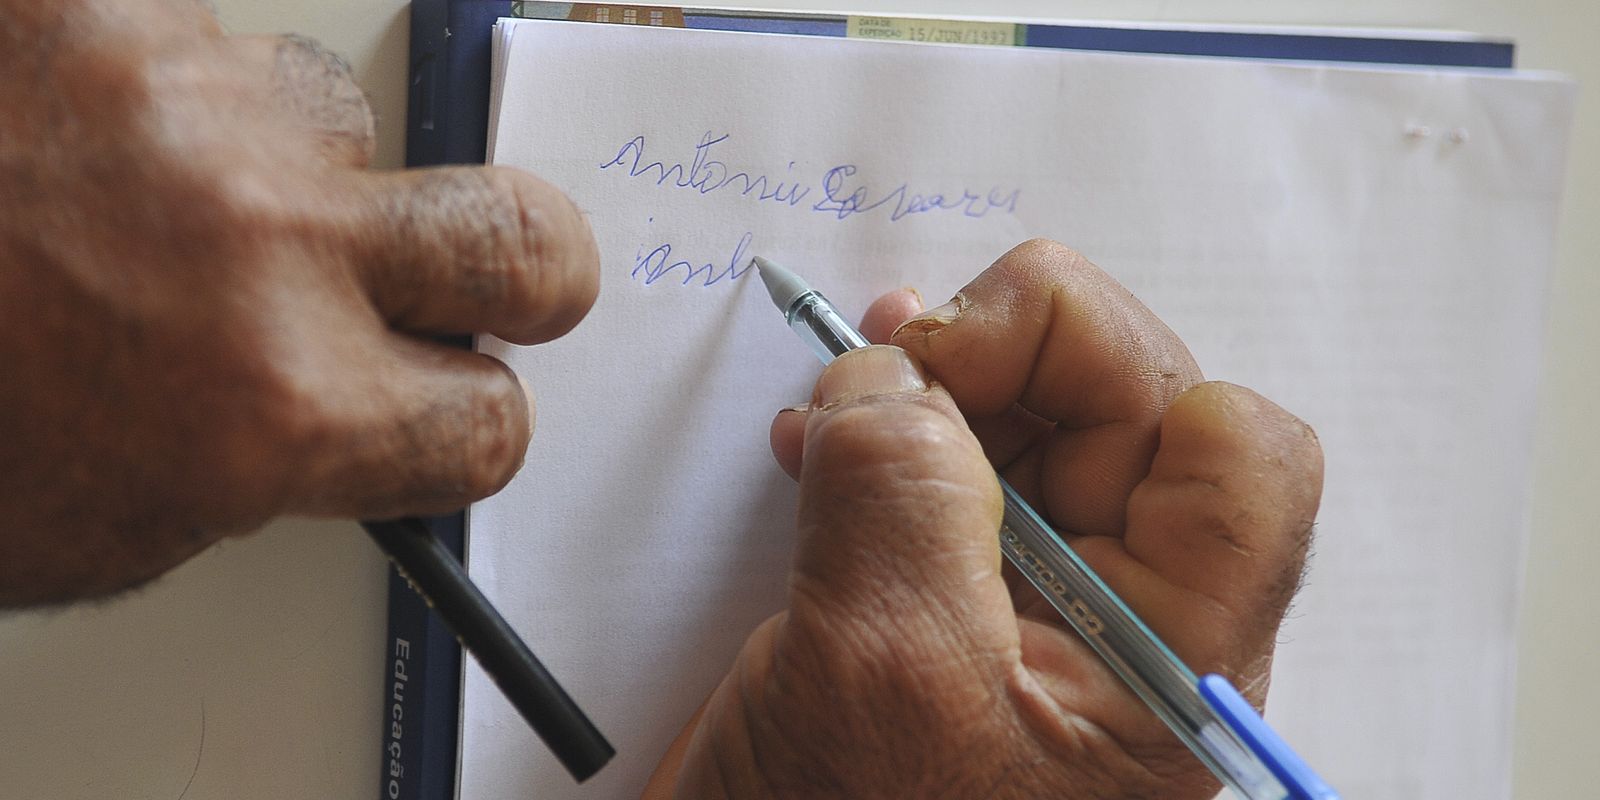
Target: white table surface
[[254, 671]]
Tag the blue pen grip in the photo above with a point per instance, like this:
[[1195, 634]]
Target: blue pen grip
[[1294, 773]]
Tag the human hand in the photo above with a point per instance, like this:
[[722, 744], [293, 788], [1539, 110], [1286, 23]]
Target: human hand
[[909, 663], [210, 315]]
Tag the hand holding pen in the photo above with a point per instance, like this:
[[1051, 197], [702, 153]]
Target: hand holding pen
[[909, 662]]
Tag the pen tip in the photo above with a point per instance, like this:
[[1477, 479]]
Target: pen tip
[[784, 286]]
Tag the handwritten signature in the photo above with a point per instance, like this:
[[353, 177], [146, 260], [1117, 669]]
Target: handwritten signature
[[839, 194], [905, 202], [659, 264], [705, 174]]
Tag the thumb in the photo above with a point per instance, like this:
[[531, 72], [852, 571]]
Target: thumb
[[899, 509]]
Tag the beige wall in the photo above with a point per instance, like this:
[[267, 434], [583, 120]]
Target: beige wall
[[280, 635]]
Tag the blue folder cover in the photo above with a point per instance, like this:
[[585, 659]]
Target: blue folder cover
[[447, 123]]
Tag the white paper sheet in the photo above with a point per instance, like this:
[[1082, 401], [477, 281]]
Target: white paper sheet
[[1387, 288]]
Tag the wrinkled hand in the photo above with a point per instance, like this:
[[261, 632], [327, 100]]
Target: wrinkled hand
[[208, 311], [909, 662]]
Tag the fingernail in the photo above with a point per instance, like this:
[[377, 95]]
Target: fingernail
[[935, 318], [797, 409], [870, 371]]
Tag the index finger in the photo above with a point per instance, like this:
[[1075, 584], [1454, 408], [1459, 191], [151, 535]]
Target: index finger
[[1044, 334]]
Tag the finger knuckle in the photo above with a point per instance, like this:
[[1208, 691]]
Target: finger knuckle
[[1040, 255], [1037, 271], [320, 88], [450, 219], [307, 60], [396, 453], [1284, 439], [236, 213], [122, 83], [246, 202], [267, 425], [495, 240], [455, 454], [888, 440], [149, 91], [871, 431]]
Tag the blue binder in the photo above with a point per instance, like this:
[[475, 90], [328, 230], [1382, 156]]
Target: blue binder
[[447, 123]]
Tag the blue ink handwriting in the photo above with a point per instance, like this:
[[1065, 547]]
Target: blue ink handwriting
[[659, 264], [904, 201], [706, 174]]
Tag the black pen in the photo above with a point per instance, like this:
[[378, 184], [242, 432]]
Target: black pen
[[441, 580]]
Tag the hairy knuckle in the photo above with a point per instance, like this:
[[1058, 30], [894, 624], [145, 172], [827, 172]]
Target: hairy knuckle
[[455, 455], [304, 61], [320, 88], [507, 272], [462, 238], [500, 242]]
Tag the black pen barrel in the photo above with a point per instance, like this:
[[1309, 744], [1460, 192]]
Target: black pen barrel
[[438, 576]]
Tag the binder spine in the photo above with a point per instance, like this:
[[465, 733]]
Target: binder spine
[[422, 689], [445, 124]]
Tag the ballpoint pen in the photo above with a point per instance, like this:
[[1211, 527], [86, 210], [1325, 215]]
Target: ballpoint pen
[[1206, 713], [441, 580]]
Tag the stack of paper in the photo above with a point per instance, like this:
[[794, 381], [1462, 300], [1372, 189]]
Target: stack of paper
[[1291, 222]]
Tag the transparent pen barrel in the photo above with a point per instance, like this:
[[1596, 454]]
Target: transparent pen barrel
[[824, 331], [1159, 678]]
